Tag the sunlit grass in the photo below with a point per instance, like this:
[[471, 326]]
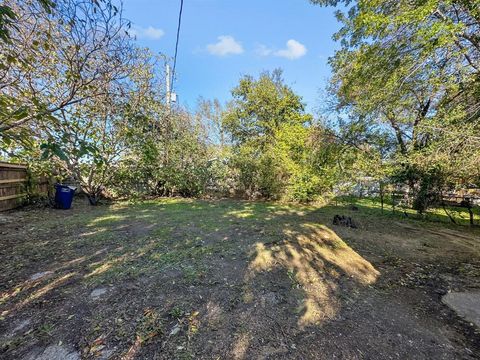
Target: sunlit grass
[[435, 214], [108, 219], [189, 244], [241, 214]]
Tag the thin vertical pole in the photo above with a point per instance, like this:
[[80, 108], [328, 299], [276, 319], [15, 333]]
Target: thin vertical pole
[[167, 82]]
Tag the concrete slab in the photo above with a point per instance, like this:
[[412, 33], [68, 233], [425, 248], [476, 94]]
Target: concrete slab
[[465, 304]]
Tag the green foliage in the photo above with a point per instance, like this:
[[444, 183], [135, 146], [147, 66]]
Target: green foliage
[[7, 18], [166, 155], [305, 187], [269, 130], [58, 55], [260, 107], [405, 86], [412, 68]]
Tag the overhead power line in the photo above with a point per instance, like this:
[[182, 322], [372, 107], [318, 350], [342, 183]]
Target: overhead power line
[[176, 43]]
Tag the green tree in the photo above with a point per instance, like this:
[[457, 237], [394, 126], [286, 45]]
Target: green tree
[[413, 68], [56, 59], [269, 128]]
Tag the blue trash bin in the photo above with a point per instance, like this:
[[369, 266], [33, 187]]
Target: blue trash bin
[[64, 196]]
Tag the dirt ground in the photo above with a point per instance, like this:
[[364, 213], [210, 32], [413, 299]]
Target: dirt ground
[[185, 279]]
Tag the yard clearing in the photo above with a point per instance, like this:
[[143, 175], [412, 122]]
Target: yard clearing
[[191, 279]]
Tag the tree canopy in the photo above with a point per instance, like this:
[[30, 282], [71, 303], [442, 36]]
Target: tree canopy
[[413, 68], [81, 100]]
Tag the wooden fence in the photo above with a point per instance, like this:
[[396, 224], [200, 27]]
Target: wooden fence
[[15, 185]]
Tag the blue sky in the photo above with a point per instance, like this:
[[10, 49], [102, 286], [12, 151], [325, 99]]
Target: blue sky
[[224, 39]]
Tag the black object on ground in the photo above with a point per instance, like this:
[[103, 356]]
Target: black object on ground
[[343, 220]]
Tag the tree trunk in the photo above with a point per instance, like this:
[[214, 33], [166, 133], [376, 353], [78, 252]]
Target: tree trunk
[[471, 215], [381, 195], [92, 199]]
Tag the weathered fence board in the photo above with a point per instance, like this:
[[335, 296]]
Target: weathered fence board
[[13, 179], [14, 183]]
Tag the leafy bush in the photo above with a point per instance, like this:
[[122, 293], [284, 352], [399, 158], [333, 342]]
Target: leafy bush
[[305, 187]]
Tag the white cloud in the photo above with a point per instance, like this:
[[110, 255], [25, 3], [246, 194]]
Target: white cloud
[[150, 32], [294, 50], [226, 45]]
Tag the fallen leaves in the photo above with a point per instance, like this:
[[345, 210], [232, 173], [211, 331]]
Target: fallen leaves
[[150, 326]]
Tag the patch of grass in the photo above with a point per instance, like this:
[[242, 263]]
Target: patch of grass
[[472, 270], [107, 220], [193, 273], [45, 330], [247, 295], [293, 279], [176, 312], [152, 251], [185, 355], [372, 206], [13, 343]]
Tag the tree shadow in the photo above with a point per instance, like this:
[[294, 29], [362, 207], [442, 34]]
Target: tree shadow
[[259, 275]]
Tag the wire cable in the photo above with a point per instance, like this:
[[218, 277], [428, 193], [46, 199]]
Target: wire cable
[[176, 43]]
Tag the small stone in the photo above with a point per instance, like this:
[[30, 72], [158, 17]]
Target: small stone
[[55, 352], [40, 275], [175, 330], [97, 293], [106, 354], [20, 326]]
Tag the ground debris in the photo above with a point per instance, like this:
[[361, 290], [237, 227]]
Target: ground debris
[[55, 352], [291, 285], [343, 220]]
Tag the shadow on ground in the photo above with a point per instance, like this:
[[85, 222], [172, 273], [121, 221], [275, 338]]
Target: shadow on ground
[[197, 279]]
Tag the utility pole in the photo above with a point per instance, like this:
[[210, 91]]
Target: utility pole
[[168, 94]]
